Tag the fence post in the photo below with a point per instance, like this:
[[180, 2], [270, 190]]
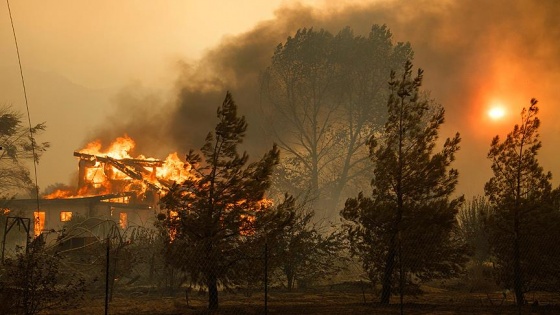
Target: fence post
[[265, 277], [107, 278]]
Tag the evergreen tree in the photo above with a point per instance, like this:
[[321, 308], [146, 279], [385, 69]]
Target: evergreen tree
[[524, 224], [212, 215], [406, 227]]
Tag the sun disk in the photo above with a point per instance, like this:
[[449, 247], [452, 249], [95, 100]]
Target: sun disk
[[496, 112]]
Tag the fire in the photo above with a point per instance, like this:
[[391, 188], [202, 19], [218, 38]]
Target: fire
[[173, 169], [115, 171], [39, 222], [248, 220], [119, 149], [122, 178], [60, 194]]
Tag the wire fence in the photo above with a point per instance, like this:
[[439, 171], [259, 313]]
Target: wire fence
[[127, 272]]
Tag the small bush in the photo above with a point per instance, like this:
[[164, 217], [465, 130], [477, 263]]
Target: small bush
[[32, 282]]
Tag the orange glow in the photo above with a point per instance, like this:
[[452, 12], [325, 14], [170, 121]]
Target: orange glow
[[174, 218], [247, 221], [65, 216], [497, 112], [59, 194], [113, 170], [173, 169], [123, 220], [503, 83], [119, 149], [39, 222]]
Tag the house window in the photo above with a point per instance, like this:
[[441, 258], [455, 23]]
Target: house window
[[65, 216], [123, 220], [39, 222]]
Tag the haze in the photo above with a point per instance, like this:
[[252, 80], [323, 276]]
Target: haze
[[157, 71]]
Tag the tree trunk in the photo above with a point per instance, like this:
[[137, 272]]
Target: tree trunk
[[392, 250], [290, 281], [212, 284], [517, 276], [388, 273]]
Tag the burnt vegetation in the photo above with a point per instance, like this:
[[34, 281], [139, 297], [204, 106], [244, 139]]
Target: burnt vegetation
[[356, 203]]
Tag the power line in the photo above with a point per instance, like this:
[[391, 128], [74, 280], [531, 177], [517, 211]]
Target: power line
[[26, 106]]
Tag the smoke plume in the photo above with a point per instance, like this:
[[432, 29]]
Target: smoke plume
[[471, 51]]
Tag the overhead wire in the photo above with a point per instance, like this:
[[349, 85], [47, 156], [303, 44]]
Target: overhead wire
[[32, 138]]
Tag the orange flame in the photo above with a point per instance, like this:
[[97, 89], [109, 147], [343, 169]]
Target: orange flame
[[59, 194], [118, 149], [114, 170]]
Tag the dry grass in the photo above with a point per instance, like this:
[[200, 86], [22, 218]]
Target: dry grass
[[435, 301]]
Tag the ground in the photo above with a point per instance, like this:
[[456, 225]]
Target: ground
[[315, 302]]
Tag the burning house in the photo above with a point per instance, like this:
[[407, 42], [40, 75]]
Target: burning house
[[112, 186]]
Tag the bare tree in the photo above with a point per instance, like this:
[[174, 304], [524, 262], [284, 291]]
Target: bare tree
[[324, 97]]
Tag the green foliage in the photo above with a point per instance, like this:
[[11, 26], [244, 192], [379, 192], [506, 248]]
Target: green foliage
[[18, 145], [472, 217], [525, 222], [306, 252], [325, 97], [409, 221], [219, 207], [34, 281]]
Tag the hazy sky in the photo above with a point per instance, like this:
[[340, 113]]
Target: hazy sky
[[103, 68], [78, 55]]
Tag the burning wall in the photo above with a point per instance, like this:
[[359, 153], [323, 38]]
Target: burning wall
[[111, 185], [115, 171]]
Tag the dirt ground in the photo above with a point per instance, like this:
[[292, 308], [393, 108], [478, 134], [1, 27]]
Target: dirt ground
[[438, 302]]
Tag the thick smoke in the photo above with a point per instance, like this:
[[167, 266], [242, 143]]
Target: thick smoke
[[471, 51]]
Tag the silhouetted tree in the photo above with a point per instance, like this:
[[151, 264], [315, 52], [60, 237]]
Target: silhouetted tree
[[524, 225], [407, 226], [324, 97], [213, 213], [307, 251], [16, 143]]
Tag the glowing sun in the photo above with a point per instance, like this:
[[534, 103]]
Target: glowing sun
[[496, 112]]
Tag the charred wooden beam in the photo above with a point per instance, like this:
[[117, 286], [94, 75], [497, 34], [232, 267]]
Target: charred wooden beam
[[134, 168], [100, 158]]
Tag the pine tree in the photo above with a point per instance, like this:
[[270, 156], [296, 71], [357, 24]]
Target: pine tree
[[216, 209], [407, 226], [523, 222]]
